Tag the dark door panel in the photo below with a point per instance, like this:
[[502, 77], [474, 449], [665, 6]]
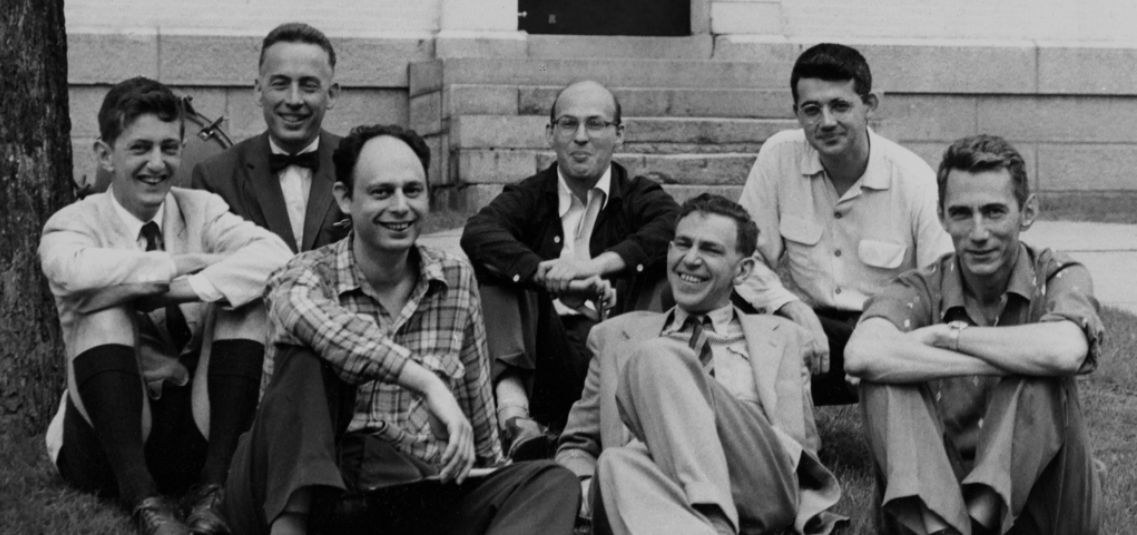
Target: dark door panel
[[606, 17]]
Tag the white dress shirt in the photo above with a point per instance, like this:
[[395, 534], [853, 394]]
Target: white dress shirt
[[578, 219], [296, 184]]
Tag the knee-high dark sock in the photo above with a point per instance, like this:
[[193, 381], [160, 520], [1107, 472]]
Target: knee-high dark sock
[[111, 389], [234, 383]]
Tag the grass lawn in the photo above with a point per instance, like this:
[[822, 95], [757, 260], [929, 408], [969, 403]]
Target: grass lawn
[[33, 500]]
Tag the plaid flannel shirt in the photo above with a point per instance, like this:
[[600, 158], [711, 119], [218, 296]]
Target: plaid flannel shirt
[[321, 300]]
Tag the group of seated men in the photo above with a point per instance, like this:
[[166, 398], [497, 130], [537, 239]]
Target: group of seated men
[[276, 346]]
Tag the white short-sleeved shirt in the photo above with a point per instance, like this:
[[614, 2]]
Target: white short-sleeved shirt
[[839, 250]]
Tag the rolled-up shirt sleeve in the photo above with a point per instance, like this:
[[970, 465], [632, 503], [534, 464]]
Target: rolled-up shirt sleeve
[[1069, 296], [304, 311]]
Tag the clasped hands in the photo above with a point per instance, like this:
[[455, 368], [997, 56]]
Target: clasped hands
[[575, 281]]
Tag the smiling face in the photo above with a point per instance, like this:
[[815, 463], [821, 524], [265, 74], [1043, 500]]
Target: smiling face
[[583, 155], [143, 160], [389, 199], [294, 90], [703, 262], [984, 220], [834, 116]]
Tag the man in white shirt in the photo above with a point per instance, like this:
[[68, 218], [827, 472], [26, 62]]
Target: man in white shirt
[[158, 291], [282, 179], [844, 208]]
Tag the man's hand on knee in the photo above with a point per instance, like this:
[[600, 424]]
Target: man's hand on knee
[[817, 357]]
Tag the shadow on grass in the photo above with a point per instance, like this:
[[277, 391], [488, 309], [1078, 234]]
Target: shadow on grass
[[34, 500]]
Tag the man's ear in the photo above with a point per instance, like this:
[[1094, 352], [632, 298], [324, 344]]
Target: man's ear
[[333, 94], [1029, 213], [872, 102], [343, 197], [258, 92], [745, 267], [105, 153]]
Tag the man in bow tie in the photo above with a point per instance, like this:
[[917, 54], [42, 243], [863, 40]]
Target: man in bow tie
[[282, 179]]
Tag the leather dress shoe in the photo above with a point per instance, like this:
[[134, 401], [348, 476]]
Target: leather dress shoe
[[203, 504], [156, 515], [526, 440]]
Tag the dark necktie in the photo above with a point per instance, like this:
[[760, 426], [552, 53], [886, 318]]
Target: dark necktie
[[175, 321], [699, 343], [310, 160]]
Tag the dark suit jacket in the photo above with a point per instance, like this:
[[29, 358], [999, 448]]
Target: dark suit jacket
[[242, 177]]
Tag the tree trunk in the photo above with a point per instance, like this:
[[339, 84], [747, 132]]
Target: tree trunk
[[35, 181]]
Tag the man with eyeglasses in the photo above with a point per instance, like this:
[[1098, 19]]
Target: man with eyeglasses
[[549, 250], [846, 209]]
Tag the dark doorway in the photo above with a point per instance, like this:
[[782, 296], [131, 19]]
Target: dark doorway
[[606, 17]]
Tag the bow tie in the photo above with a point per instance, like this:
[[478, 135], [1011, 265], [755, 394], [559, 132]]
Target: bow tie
[[311, 160]]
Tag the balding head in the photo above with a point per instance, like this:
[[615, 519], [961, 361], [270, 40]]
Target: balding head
[[589, 85]]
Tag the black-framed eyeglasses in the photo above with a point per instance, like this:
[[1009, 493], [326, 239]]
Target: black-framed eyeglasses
[[813, 112], [570, 125]]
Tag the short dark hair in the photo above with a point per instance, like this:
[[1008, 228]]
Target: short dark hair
[[984, 152], [129, 99], [297, 32], [347, 154], [617, 117], [833, 63], [710, 203]]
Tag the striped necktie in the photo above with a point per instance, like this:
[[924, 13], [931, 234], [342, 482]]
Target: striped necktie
[[699, 343]]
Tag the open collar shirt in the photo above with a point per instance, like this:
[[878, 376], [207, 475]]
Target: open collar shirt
[[321, 300], [839, 250], [1044, 286], [577, 221]]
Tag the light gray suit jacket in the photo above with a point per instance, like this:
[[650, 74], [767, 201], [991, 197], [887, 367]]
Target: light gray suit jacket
[[775, 348]]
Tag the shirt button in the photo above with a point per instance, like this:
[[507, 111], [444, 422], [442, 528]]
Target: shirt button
[[837, 253], [837, 291], [837, 215], [516, 278], [639, 267], [556, 239]]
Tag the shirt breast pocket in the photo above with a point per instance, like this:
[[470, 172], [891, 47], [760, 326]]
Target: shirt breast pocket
[[881, 254], [801, 237]]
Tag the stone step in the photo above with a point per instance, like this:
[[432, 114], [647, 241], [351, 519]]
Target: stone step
[[431, 76], [488, 99], [619, 46], [474, 196], [528, 132], [483, 166]]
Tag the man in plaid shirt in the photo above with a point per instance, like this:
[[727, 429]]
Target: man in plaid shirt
[[379, 403]]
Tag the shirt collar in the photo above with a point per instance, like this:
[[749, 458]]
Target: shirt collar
[[876, 176], [350, 278], [564, 194], [1021, 283], [720, 318], [133, 224], [315, 144]]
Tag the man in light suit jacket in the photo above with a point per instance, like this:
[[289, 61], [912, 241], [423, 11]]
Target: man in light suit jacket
[[158, 291], [282, 179], [695, 420]]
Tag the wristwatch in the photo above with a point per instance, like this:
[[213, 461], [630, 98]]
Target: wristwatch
[[955, 328]]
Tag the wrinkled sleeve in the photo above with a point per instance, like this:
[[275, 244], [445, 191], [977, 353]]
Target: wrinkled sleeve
[[491, 236], [905, 302], [653, 213], [251, 254], [763, 288], [304, 311], [1069, 296], [579, 445]]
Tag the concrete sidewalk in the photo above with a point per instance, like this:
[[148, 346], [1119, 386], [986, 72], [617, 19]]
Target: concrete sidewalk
[[1109, 251]]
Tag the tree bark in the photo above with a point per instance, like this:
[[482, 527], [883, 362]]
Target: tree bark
[[35, 181]]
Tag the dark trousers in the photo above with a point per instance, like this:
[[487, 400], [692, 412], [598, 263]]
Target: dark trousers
[[1033, 451], [525, 334], [361, 483], [830, 388], [175, 450]]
